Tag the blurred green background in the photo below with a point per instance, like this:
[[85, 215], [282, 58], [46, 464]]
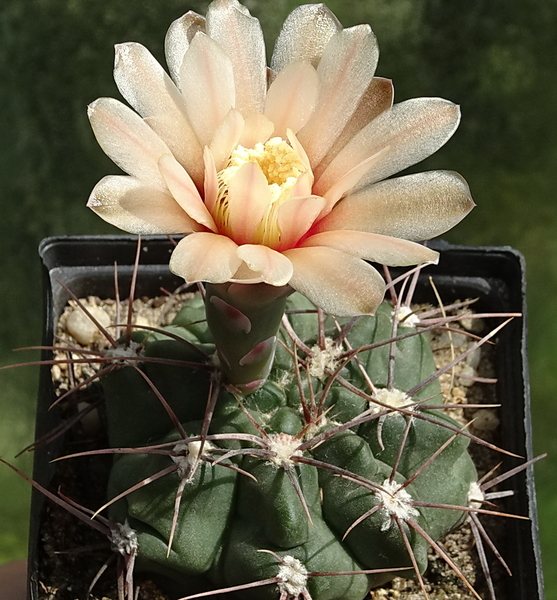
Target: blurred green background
[[496, 58]]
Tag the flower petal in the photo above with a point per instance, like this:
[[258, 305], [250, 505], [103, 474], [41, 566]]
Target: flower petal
[[128, 140], [376, 99], [415, 207], [412, 130], [240, 35], [275, 268], [257, 129], [207, 80], [345, 72], [339, 283], [210, 182], [226, 138], [205, 257], [177, 41], [296, 216], [304, 35], [129, 205], [248, 200], [381, 249], [150, 91], [350, 179], [184, 191], [292, 97]]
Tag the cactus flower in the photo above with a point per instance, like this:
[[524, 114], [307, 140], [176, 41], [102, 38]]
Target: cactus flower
[[277, 175]]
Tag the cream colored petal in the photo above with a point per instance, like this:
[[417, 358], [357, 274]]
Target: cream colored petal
[[381, 249], [128, 140], [184, 191], [350, 179], [345, 72], [178, 39], [240, 35], [295, 217], [275, 268], [185, 149], [413, 130], [339, 283], [244, 275], [129, 205], [207, 80], [257, 129], [415, 207], [226, 138], [302, 187], [377, 98], [150, 91], [300, 151], [205, 257], [304, 35], [210, 182], [292, 97], [248, 200]]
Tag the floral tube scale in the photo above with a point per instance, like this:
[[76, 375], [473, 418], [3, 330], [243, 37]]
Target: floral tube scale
[[279, 175]]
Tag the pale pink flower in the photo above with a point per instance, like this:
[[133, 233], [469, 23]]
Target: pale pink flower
[[276, 175]]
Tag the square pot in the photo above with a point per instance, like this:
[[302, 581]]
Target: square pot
[[493, 275]]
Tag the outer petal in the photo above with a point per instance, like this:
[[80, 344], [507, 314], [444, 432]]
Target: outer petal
[[248, 200], [339, 283], [275, 268], [240, 35], [128, 140], [304, 35], [151, 92], [381, 249], [208, 85], [205, 257], [377, 98], [345, 71], [412, 130], [178, 39], [292, 97], [184, 191], [415, 207], [129, 205]]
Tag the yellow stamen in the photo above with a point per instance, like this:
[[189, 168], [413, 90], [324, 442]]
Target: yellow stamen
[[282, 167]]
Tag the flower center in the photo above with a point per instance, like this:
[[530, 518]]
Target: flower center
[[281, 165]]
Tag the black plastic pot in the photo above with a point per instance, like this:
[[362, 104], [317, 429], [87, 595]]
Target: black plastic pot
[[494, 275]]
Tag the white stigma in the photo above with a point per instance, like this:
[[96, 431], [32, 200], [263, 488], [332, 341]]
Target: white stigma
[[396, 502], [293, 577]]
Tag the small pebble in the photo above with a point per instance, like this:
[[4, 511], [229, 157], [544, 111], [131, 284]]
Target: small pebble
[[485, 420], [82, 329]]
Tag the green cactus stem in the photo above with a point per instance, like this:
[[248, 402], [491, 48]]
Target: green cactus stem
[[244, 320], [305, 472]]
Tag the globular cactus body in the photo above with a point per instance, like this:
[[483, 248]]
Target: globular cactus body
[[279, 483]]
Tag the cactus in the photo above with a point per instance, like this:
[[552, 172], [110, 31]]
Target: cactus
[[302, 469]]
